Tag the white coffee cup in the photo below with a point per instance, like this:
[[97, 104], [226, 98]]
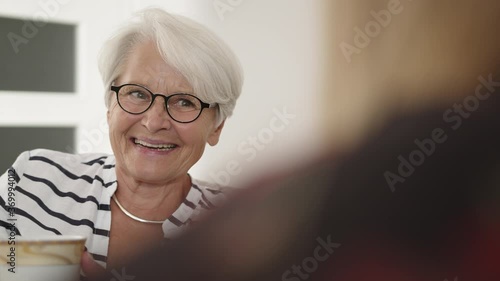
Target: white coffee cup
[[51, 258]]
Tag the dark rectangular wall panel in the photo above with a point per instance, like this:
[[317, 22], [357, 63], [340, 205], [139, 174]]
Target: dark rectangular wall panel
[[18, 139], [37, 56]]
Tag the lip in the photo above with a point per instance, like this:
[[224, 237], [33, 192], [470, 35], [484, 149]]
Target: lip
[[153, 141], [152, 151]]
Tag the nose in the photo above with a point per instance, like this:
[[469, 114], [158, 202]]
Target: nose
[[156, 117]]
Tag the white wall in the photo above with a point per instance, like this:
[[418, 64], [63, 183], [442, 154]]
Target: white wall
[[278, 43]]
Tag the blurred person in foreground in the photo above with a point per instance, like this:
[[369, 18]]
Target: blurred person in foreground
[[416, 198], [170, 84]]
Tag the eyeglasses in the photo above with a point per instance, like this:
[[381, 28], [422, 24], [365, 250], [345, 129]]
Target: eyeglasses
[[137, 99]]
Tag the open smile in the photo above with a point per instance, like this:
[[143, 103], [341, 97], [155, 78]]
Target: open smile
[[154, 146]]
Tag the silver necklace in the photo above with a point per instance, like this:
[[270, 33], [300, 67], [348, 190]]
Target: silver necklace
[[128, 214]]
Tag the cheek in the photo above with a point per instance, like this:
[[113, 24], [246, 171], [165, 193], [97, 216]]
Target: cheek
[[196, 136], [202, 130], [119, 123], [113, 121]]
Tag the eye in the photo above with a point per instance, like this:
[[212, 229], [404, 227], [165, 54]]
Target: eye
[[183, 102], [138, 94]]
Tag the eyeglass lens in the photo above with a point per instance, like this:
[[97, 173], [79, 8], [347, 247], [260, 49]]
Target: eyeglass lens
[[181, 107]]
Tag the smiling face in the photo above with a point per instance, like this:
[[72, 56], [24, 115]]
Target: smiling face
[[151, 147]]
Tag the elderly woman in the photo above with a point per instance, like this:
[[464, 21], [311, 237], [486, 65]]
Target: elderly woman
[[170, 83]]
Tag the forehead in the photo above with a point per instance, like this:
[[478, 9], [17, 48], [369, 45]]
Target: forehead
[[145, 66]]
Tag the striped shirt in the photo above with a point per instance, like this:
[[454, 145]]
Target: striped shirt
[[54, 193]]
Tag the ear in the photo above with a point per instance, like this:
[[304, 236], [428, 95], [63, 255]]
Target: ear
[[213, 138]]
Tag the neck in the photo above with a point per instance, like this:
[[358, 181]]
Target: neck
[[151, 201]]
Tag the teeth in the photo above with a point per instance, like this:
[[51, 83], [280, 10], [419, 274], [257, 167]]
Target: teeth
[[155, 146]]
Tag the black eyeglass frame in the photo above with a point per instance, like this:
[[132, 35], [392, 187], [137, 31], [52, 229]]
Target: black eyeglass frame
[[204, 105]]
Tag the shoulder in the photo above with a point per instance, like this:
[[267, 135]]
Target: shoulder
[[64, 158], [42, 173], [214, 193], [46, 163]]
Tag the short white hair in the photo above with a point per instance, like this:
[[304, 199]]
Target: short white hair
[[206, 62]]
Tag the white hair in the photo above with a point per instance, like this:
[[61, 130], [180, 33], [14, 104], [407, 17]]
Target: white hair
[[206, 62]]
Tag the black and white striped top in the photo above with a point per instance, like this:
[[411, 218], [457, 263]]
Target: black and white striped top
[[60, 193]]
